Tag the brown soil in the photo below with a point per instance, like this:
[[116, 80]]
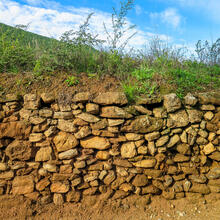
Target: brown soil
[[21, 84], [131, 208]]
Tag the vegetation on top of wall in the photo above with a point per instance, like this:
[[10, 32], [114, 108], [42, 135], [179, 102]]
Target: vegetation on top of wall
[[160, 68]]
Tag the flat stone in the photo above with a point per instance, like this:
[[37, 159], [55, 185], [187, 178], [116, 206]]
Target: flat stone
[[195, 116], [207, 107], [215, 156], [199, 188], [20, 150], [42, 184], [178, 119], [73, 196], [44, 154], [36, 120], [115, 122], [88, 117], [140, 180], [22, 185], [190, 99], [92, 108], [183, 148], [143, 124], [133, 136], [128, 150], [160, 112], [209, 148], [102, 155], [83, 132], [181, 158], [142, 110], [148, 163], [152, 136], [114, 112], [82, 97], [95, 142], [63, 115], [208, 116], [65, 141], [162, 141], [36, 137], [59, 187], [31, 101], [3, 166], [45, 113], [172, 102], [67, 126], [48, 97], [209, 98], [214, 173], [173, 141], [7, 175], [111, 98], [68, 154]]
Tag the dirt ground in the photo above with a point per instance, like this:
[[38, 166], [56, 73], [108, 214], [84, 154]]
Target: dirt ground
[[131, 208]]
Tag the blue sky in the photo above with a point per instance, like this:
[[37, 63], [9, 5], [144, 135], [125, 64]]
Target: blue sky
[[178, 22]]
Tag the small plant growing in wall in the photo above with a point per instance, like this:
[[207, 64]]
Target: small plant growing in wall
[[72, 81]]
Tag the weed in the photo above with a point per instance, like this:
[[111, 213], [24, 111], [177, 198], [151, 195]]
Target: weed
[[72, 80]]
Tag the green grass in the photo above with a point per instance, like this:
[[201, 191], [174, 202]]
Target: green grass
[[23, 51]]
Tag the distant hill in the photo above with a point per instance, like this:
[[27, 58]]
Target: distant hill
[[28, 38]]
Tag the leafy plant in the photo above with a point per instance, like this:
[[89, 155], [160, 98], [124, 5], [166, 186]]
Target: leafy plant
[[72, 80]]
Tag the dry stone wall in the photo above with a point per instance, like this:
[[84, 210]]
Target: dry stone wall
[[63, 149]]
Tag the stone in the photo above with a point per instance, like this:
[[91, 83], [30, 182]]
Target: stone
[[92, 108], [44, 154], [183, 148], [208, 116], [201, 141], [31, 101], [20, 150], [36, 137], [64, 107], [169, 195], [151, 189], [183, 137], [58, 199], [151, 147], [186, 185], [215, 156], [82, 97], [109, 178], [3, 166], [190, 99], [115, 122], [126, 187], [36, 120], [195, 116], [68, 154], [162, 141], [40, 127], [173, 141], [199, 188], [67, 126], [128, 150], [214, 173], [209, 98], [142, 110], [88, 117], [6, 175], [111, 98], [140, 180], [211, 136], [65, 141], [133, 136], [122, 163], [50, 131], [215, 182], [152, 136], [59, 187], [142, 150], [73, 196], [198, 178], [50, 167], [143, 124], [178, 119], [209, 148], [22, 185], [48, 97], [42, 184], [147, 163], [102, 155], [160, 112], [114, 112], [83, 132], [45, 113], [168, 180], [16, 129], [181, 158], [207, 107], [63, 115], [95, 142], [172, 102]]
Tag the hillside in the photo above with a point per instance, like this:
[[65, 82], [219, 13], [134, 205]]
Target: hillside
[[30, 61]]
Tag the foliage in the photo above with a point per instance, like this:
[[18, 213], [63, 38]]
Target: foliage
[[72, 80]]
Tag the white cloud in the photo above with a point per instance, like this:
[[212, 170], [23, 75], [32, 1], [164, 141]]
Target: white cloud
[[169, 16], [210, 8], [54, 22], [138, 9]]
